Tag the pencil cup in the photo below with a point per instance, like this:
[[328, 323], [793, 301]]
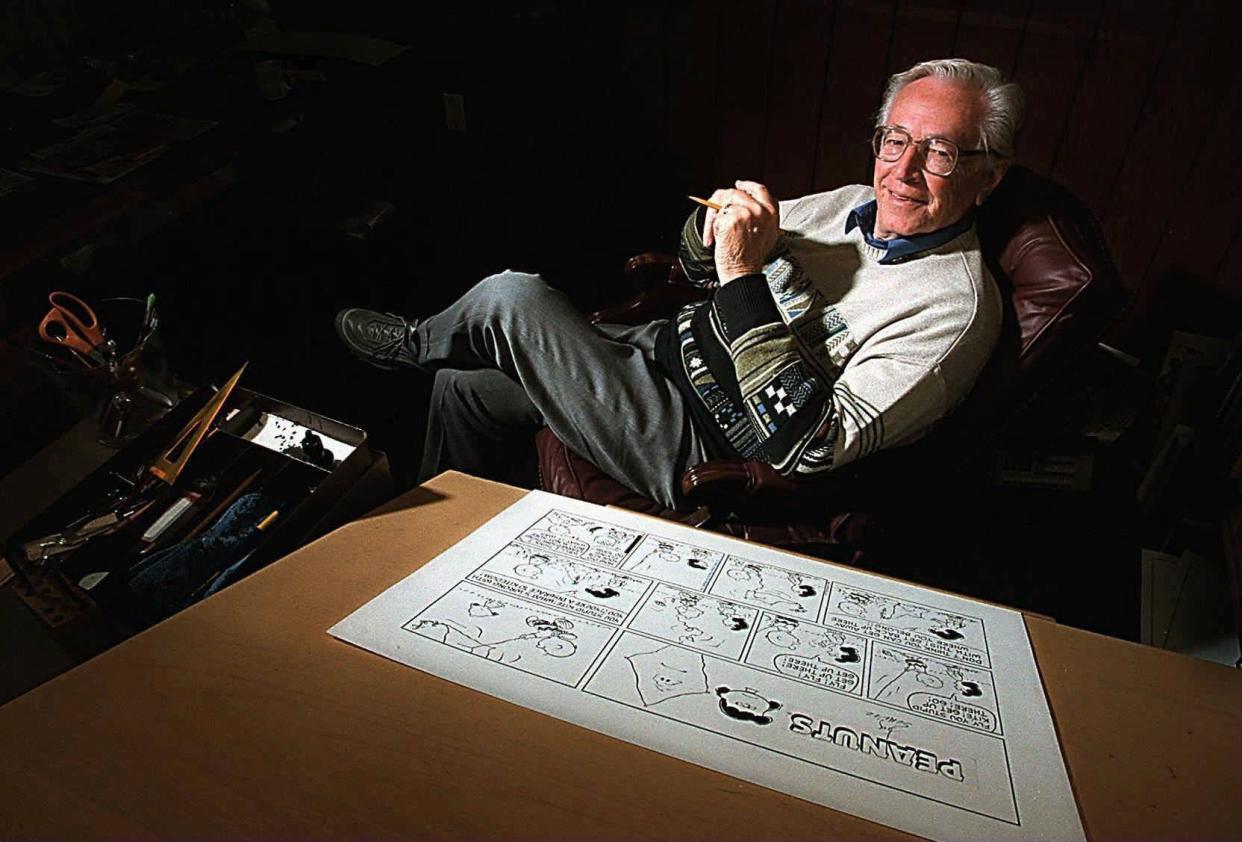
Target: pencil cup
[[128, 393]]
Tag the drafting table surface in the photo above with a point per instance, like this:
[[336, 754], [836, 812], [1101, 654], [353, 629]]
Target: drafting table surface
[[241, 717]]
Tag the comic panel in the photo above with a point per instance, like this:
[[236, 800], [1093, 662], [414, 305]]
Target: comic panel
[[774, 588], [957, 694], [513, 632], [582, 537], [809, 652], [673, 561], [693, 619], [845, 734], [907, 624], [541, 576]]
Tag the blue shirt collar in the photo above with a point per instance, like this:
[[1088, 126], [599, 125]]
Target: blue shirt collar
[[902, 248]]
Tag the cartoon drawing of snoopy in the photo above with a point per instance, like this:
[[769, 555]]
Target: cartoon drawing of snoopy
[[746, 705]]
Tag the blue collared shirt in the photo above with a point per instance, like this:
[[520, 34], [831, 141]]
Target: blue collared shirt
[[902, 248]]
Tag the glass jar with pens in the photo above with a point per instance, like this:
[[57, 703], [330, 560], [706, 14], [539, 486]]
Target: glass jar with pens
[[107, 361]]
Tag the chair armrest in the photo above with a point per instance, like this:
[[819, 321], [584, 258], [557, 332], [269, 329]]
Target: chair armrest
[[663, 290], [657, 265], [756, 488]]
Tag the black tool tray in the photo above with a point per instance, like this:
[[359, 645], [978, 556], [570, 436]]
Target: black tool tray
[[99, 578]]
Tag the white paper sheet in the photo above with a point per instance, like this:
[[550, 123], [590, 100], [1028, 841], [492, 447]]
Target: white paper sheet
[[897, 704]]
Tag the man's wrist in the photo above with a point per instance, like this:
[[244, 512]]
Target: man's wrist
[[727, 275], [745, 304]]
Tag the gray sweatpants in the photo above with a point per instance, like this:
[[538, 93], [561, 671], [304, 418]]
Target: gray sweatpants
[[513, 353]]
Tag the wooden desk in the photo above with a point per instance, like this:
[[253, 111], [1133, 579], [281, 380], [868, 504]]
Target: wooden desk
[[241, 717]]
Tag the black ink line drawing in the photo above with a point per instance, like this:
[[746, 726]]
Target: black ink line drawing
[[690, 623], [667, 673], [780, 590], [666, 558], [746, 705], [783, 632], [856, 603], [563, 576], [916, 668], [887, 723], [487, 608], [912, 681], [581, 538], [943, 624], [551, 638], [847, 655], [809, 653], [596, 534]]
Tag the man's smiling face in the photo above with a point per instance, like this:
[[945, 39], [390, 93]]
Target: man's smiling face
[[912, 201]]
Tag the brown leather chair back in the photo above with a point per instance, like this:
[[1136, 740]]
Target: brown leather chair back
[[1061, 288]]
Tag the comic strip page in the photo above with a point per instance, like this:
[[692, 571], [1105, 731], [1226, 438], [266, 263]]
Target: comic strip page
[[905, 706]]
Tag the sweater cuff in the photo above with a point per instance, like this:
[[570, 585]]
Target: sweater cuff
[[744, 304], [697, 260]]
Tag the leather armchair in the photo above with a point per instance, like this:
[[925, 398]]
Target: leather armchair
[[1061, 291]]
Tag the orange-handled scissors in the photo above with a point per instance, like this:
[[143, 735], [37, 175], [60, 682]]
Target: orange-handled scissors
[[72, 324]]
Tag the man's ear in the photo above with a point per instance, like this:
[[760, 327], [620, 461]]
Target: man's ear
[[994, 178]]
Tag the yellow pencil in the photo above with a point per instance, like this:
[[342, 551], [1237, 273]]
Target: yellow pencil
[[705, 203]]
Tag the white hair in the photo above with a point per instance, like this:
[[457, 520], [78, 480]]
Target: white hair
[[1002, 100]]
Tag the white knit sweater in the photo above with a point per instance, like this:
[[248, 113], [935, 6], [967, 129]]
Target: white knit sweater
[[831, 355]]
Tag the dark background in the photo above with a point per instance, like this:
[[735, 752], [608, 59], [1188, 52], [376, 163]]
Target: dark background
[[586, 128]]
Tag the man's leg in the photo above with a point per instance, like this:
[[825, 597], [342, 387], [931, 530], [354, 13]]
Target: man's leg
[[606, 399], [480, 422]]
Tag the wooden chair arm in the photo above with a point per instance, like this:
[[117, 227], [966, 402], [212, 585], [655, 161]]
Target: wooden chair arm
[[739, 485], [663, 290], [655, 263]]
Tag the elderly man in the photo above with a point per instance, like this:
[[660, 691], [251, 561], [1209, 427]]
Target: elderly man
[[839, 323]]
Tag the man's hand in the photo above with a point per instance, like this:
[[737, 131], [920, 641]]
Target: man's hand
[[745, 230]]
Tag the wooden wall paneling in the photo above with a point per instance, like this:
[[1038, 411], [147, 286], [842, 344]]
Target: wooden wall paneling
[[857, 59], [1183, 282], [519, 114], [922, 30], [620, 142], [1049, 69], [799, 65], [11, 35], [1182, 103], [1205, 218], [643, 71], [1123, 61], [1227, 282], [691, 51], [743, 80], [628, 102], [990, 31]]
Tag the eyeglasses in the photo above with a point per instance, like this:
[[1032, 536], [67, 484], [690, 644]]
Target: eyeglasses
[[940, 155]]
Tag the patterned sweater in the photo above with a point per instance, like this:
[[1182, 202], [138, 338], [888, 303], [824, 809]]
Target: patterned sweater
[[829, 355]]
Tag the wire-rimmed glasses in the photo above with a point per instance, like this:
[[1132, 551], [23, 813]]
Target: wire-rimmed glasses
[[939, 154]]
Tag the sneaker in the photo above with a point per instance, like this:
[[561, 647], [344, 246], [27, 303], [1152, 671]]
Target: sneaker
[[381, 339]]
